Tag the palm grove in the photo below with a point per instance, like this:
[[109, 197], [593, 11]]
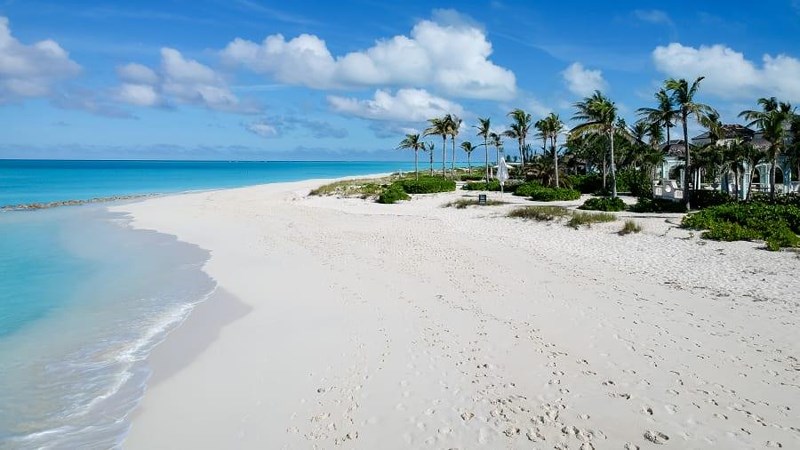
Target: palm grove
[[602, 142]]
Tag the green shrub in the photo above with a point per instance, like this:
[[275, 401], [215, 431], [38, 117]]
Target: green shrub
[[603, 204], [539, 213], [462, 203], [630, 227], [582, 218], [657, 205], [493, 185], [777, 225], [527, 189], [428, 185], [472, 176], [703, 199], [392, 194], [586, 184], [635, 181], [545, 194]]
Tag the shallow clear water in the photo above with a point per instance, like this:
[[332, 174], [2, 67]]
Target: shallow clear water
[[83, 298]]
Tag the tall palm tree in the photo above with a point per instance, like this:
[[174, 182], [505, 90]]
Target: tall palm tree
[[598, 116], [412, 142], [549, 129], [484, 130], [682, 94], [519, 128], [439, 127], [663, 114], [429, 148], [468, 149], [453, 126], [496, 141], [774, 120]]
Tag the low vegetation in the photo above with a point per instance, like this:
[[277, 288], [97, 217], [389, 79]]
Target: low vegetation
[[603, 204], [427, 185], [657, 205], [546, 194], [465, 202], [393, 194], [527, 189], [583, 218], [539, 213], [630, 227], [361, 188], [776, 224]]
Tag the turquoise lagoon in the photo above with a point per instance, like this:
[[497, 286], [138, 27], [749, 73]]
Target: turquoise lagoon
[[83, 298]]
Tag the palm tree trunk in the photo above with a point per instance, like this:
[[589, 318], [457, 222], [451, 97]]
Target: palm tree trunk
[[453, 160], [444, 155], [555, 160], [772, 179], [522, 154], [469, 164], [613, 168], [431, 156], [605, 171], [416, 168], [486, 149], [687, 190]]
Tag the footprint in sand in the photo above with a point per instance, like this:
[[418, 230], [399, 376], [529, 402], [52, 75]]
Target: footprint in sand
[[656, 437]]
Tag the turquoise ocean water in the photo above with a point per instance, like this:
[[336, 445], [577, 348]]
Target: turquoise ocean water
[[83, 298]]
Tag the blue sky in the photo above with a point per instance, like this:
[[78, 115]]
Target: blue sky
[[258, 79]]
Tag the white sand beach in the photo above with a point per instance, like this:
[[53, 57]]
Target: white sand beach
[[346, 323]]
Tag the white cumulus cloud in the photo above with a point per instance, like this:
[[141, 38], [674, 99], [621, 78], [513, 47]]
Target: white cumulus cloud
[[406, 105], [729, 74], [582, 81], [178, 80], [31, 70], [451, 58], [262, 128]]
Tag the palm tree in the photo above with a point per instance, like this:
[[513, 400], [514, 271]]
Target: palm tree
[[598, 116], [496, 141], [468, 149], [412, 142], [773, 120], [663, 114], [429, 149], [484, 130], [519, 130], [439, 127], [682, 95], [454, 124], [554, 128]]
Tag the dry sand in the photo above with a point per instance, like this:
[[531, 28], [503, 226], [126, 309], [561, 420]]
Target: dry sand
[[344, 323]]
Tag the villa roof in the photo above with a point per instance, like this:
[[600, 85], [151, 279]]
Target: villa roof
[[675, 147]]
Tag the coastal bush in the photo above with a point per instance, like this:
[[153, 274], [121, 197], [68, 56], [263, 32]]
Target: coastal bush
[[363, 188], [493, 185], [392, 194], [635, 181], [630, 227], [472, 176], [464, 202], [539, 213], [586, 184], [428, 185], [777, 225], [583, 218], [702, 199], [545, 194], [657, 205], [603, 204], [526, 189]]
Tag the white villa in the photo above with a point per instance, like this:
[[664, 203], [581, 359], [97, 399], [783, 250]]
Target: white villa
[[755, 178]]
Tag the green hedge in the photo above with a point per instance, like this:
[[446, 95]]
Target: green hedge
[[657, 205], [472, 177], [392, 194], [527, 189], [586, 184], [603, 204], [428, 185], [493, 186], [778, 225], [703, 199], [545, 194]]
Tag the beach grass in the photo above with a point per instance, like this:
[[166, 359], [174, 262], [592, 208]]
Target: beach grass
[[630, 227], [540, 213], [583, 218], [362, 188], [465, 202]]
